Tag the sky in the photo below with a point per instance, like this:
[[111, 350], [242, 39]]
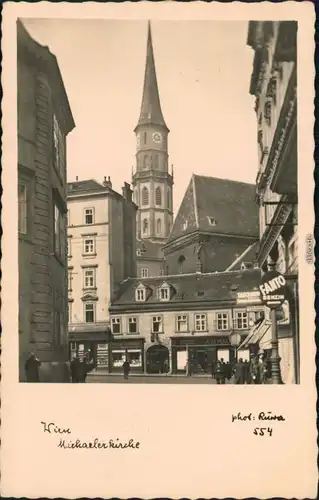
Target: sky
[[203, 72]]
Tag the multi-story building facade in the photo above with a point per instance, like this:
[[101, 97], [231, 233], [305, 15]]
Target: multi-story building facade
[[44, 121], [274, 84], [152, 182], [216, 227], [160, 324], [101, 254]]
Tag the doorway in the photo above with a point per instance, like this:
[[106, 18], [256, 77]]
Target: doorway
[[157, 359]]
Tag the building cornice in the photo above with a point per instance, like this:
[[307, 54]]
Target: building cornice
[[200, 305]]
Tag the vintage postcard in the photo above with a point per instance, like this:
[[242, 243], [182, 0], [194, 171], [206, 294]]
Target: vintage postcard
[[158, 243]]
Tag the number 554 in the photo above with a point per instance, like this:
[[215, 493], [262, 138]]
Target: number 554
[[261, 431]]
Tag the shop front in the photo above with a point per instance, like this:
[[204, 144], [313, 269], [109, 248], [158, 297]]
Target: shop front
[[87, 340], [197, 355], [120, 350]]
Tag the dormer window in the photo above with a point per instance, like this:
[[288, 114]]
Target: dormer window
[[164, 292], [212, 221], [140, 294]]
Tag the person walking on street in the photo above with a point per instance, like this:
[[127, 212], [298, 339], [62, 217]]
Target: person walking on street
[[220, 372], [253, 370], [126, 368], [246, 372], [239, 372], [75, 367], [262, 368], [32, 368]]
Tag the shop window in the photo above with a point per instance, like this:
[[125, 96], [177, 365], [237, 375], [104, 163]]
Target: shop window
[[241, 320], [222, 321], [89, 313], [22, 208], [200, 322], [89, 246], [89, 216], [132, 325], [116, 325], [144, 272], [182, 323], [89, 278], [157, 324]]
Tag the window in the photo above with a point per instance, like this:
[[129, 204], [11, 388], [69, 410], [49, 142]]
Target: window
[[58, 147], [156, 161], [157, 324], [145, 137], [89, 312], [145, 196], [69, 312], [89, 245], [145, 226], [116, 325], [132, 325], [70, 277], [164, 293], [159, 226], [145, 161], [200, 322], [89, 278], [241, 320], [182, 323], [22, 202], [181, 260], [144, 272], [69, 246], [59, 232], [158, 196], [88, 215], [140, 295], [162, 272], [222, 322]]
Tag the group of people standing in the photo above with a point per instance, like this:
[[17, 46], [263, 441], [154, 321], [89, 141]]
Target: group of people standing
[[81, 367], [256, 371]]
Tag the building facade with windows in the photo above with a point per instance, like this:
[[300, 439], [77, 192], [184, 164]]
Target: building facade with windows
[[274, 85], [216, 227], [44, 121], [101, 254], [185, 319], [152, 182]]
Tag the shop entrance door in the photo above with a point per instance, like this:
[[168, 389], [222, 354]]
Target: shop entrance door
[[157, 359]]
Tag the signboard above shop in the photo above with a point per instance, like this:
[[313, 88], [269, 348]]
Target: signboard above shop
[[252, 297], [273, 289]]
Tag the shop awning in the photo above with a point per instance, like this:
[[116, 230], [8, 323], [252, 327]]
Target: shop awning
[[258, 335]]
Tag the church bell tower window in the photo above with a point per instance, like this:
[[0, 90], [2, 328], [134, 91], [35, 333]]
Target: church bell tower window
[[158, 196], [145, 197]]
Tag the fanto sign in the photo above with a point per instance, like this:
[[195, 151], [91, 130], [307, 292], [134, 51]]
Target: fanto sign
[[273, 289]]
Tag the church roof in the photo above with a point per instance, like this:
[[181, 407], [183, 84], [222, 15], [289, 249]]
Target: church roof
[[217, 206], [84, 186], [151, 112], [150, 249], [212, 287]]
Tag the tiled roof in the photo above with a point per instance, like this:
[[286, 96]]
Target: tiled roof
[[150, 249], [85, 186], [248, 257], [192, 287], [217, 206]]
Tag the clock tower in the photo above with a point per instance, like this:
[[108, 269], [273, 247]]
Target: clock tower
[[152, 182]]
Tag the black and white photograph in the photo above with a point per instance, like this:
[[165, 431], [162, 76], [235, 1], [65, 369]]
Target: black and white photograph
[[158, 201], [158, 186]]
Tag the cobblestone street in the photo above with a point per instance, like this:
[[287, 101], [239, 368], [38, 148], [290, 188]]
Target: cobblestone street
[[141, 379]]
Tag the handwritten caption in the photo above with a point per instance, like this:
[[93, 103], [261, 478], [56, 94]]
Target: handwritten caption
[[65, 442], [259, 417]]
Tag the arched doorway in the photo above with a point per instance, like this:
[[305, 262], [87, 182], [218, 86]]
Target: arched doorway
[[157, 359]]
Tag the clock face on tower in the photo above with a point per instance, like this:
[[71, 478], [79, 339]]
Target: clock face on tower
[[157, 137]]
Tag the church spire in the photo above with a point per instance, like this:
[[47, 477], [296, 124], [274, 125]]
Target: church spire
[[151, 112]]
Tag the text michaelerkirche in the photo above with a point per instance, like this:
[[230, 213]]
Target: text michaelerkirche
[[66, 442]]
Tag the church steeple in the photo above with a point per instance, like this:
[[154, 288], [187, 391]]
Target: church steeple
[[152, 182], [151, 112]]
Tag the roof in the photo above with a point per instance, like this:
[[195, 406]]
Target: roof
[[217, 206], [30, 48], [85, 187], [247, 258], [150, 249], [219, 287], [151, 112]]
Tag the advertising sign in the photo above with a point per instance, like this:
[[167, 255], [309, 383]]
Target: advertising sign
[[273, 289], [248, 297]]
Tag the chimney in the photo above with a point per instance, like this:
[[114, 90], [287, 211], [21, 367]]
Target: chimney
[[107, 182], [127, 192]]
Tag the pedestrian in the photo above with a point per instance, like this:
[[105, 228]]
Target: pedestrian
[[262, 368], [75, 367], [246, 372], [239, 370], [126, 368], [85, 367], [253, 370], [220, 372], [32, 368]]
